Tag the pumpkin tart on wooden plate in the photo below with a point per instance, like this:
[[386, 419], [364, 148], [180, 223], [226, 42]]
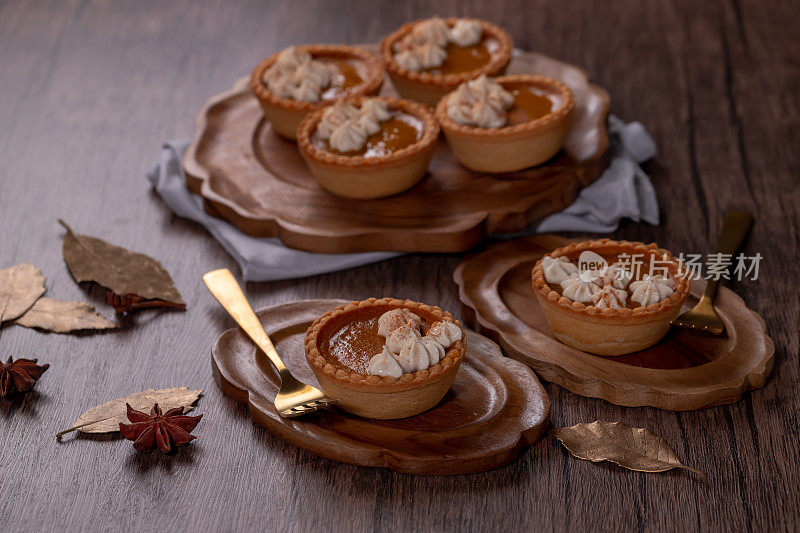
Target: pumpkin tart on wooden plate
[[385, 358]]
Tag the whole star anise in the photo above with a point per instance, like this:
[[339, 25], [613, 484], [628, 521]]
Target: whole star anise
[[19, 375], [157, 430]]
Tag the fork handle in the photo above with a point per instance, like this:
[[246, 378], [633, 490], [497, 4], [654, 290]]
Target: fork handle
[[229, 294], [734, 230]]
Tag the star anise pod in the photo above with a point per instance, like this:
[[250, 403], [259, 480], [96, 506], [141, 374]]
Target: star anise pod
[[19, 375], [156, 430]]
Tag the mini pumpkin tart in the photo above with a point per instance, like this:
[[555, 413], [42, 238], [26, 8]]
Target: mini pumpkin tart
[[429, 58], [300, 79], [623, 303], [508, 123], [385, 358], [368, 147]]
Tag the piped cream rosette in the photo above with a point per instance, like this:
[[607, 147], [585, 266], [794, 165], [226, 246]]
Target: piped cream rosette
[[406, 350]]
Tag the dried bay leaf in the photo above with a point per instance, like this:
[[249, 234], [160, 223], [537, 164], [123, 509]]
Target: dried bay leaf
[[59, 316], [105, 418], [633, 448], [136, 280], [20, 286]]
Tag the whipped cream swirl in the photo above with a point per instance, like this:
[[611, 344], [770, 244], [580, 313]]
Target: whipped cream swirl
[[384, 364], [296, 75], [615, 275], [466, 32], [481, 102], [557, 269], [605, 288], [400, 336], [424, 46], [651, 290], [609, 297], [406, 350], [580, 287], [346, 127], [391, 320]]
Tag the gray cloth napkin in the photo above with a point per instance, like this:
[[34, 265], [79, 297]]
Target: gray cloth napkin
[[623, 191]]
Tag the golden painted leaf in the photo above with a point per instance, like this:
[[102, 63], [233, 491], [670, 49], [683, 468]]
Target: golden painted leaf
[[63, 317], [137, 280], [106, 418], [632, 448], [20, 286]]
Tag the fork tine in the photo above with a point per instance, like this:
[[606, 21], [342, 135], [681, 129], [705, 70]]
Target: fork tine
[[294, 398], [302, 409], [322, 402]]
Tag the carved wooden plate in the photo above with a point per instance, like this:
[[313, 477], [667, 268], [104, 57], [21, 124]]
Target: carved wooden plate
[[685, 371], [260, 183], [494, 410]]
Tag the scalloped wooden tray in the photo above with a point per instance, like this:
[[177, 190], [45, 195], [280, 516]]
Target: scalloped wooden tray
[[257, 181], [685, 371], [494, 410]]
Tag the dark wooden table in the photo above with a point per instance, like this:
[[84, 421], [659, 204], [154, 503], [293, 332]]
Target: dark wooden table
[[89, 90]]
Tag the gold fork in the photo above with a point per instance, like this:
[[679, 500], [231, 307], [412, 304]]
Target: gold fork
[[703, 317], [294, 398]]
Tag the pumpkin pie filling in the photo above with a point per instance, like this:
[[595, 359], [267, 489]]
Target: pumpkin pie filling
[[301, 79], [429, 58], [466, 58], [530, 103], [354, 343], [443, 47], [345, 74], [396, 133], [299, 75], [385, 358]]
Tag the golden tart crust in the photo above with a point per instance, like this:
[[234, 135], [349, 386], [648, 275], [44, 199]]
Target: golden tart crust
[[381, 397], [285, 114], [514, 147], [609, 331], [354, 176], [427, 87]]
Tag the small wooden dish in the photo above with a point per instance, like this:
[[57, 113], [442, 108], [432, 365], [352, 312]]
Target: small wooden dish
[[258, 181], [495, 408], [684, 371]]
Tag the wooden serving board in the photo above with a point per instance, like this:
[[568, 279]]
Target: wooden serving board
[[257, 181], [685, 371], [494, 410]]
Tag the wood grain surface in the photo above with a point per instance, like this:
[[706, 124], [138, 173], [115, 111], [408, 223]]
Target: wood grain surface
[[90, 89], [682, 372]]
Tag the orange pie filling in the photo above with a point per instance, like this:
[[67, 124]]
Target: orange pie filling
[[530, 103], [436, 47], [371, 130], [485, 103], [297, 75], [355, 343], [389, 343], [345, 75], [466, 58]]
